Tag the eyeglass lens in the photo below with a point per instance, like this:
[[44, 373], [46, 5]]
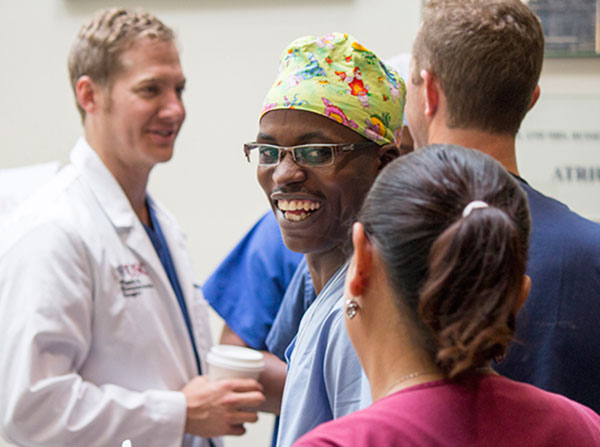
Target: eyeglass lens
[[303, 155]]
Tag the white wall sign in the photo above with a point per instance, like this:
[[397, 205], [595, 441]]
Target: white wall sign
[[558, 151]]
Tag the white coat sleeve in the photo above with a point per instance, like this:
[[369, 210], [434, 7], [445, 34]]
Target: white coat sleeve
[[46, 302]]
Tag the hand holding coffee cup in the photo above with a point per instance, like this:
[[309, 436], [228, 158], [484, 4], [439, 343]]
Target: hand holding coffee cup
[[220, 402]]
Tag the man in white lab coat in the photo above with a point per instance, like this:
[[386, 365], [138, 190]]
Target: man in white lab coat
[[104, 332]]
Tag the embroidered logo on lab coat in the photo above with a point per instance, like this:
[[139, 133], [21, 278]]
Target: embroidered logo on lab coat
[[134, 278]]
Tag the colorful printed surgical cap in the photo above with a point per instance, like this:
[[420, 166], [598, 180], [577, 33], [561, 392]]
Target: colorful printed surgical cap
[[335, 76]]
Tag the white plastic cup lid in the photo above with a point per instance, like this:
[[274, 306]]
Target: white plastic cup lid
[[236, 358]]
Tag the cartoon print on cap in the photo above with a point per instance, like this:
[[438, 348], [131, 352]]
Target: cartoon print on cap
[[357, 86]]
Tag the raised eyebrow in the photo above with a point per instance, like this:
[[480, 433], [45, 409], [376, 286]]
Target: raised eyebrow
[[155, 80], [304, 138], [266, 137], [151, 81]]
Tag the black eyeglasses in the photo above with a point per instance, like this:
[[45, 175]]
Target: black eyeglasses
[[307, 155]]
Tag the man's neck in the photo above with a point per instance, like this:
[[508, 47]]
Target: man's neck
[[134, 185], [501, 147], [133, 182], [322, 266]]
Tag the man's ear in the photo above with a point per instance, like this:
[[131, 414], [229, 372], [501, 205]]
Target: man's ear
[[431, 92], [525, 288], [88, 94], [360, 270], [407, 143], [387, 153], [535, 97]]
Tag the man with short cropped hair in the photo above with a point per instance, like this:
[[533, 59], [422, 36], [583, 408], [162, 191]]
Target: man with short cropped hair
[[104, 328], [474, 76]]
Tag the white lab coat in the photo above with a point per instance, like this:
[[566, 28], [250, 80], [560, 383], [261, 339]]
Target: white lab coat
[[93, 344]]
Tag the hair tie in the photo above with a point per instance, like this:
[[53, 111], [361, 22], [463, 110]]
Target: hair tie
[[473, 205]]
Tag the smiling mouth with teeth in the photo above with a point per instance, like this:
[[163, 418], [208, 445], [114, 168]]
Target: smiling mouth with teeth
[[297, 210]]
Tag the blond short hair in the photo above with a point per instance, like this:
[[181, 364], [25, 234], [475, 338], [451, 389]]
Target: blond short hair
[[100, 42]]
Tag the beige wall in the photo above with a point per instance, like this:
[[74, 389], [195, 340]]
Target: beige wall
[[230, 50]]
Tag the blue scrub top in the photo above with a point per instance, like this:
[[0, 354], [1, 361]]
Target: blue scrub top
[[247, 288], [298, 297], [324, 379]]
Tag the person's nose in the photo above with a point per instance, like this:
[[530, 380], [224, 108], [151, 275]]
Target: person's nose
[[287, 171], [173, 108]]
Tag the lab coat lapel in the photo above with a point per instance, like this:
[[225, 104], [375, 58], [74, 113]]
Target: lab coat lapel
[[176, 242], [118, 210], [116, 206], [139, 242], [191, 290]]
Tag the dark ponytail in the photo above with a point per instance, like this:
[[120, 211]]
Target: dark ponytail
[[475, 275], [458, 278]]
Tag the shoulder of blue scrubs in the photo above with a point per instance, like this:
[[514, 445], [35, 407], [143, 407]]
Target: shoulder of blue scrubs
[[246, 289], [324, 378], [298, 297]]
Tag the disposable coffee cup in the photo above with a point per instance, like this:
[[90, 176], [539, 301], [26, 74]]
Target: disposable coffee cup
[[228, 362]]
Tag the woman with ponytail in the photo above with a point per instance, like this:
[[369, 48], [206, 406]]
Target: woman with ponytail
[[436, 280]]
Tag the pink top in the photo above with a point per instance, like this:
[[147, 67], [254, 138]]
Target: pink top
[[491, 411]]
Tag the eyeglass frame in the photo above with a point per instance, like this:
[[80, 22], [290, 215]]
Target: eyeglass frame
[[336, 148]]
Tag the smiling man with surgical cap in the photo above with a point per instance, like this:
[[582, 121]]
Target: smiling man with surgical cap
[[331, 121]]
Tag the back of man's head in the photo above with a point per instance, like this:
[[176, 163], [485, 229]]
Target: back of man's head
[[487, 55], [100, 42]]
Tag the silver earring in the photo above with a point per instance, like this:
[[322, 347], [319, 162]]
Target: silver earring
[[351, 308]]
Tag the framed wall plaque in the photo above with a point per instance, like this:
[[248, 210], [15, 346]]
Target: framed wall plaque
[[571, 27]]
